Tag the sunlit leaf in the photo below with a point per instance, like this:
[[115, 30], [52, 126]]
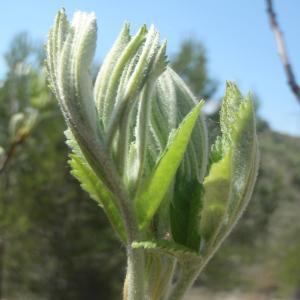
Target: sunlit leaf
[[229, 184], [94, 186], [153, 192]]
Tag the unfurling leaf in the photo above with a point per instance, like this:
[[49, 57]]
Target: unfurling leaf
[[139, 148], [153, 192], [229, 184]]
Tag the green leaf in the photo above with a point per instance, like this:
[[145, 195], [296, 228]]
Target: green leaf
[[216, 186], [171, 102], [245, 158], [230, 107], [94, 186], [70, 50], [229, 184], [118, 69], [167, 247], [108, 66], [184, 211], [56, 39], [149, 197]]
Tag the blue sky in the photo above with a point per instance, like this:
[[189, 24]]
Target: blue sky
[[236, 34]]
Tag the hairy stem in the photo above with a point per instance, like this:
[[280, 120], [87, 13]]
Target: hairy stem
[[186, 280], [134, 282], [169, 275]]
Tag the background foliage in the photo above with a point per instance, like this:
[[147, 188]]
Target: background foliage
[[57, 244]]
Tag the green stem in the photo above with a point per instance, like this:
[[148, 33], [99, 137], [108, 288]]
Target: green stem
[[190, 271], [170, 274], [135, 275], [188, 276]]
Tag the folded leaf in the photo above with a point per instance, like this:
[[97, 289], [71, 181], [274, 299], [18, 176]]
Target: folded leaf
[[106, 93], [108, 65], [234, 164], [172, 101], [70, 50], [94, 186], [245, 158], [152, 192]]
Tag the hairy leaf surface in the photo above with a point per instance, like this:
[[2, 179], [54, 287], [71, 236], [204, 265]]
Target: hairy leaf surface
[[229, 184], [94, 186], [153, 192], [167, 247]]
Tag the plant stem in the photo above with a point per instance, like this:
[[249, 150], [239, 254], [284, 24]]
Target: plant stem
[[168, 284], [134, 282], [186, 280]]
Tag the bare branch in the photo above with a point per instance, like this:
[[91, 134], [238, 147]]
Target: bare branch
[[282, 50]]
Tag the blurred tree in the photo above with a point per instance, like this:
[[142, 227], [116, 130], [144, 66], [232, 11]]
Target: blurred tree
[[284, 225], [20, 101], [58, 244], [191, 64]]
